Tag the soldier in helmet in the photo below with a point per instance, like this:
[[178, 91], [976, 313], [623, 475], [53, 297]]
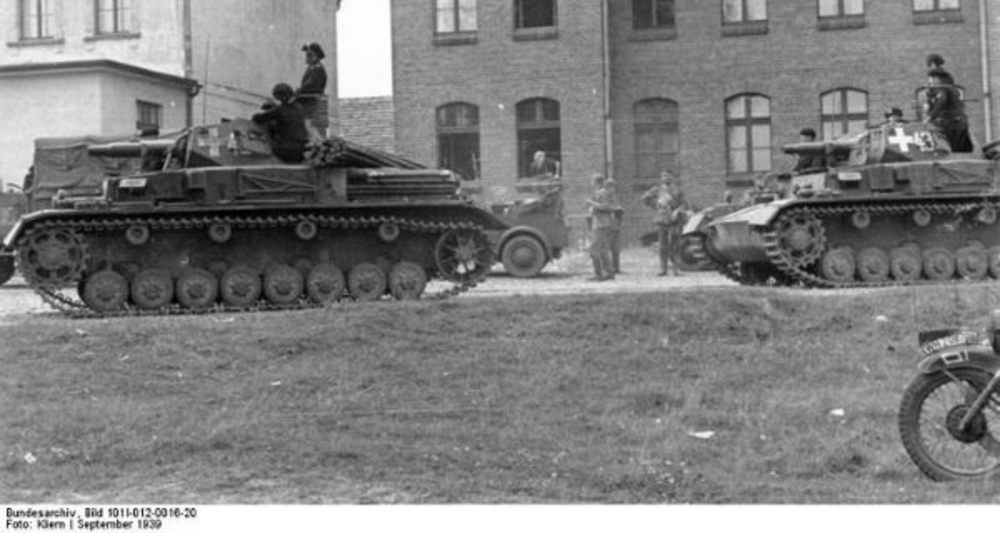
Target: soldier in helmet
[[286, 124], [946, 111]]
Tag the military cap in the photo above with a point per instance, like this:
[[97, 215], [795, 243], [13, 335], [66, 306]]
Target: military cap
[[808, 132], [315, 48], [894, 112], [940, 73], [935, 60]]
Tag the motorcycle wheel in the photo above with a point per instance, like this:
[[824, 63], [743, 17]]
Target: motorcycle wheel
[[929, 414]]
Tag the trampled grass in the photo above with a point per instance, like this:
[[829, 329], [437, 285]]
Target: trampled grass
[[728, 395]]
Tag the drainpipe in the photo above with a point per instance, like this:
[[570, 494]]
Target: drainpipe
[[188, 61], [984, 44], [606, 78]]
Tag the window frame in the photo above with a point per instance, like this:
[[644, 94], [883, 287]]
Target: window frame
[[119, 15], [937, 6], [937, 14], [519, 15], [42, 25], [456, 15], [843, 116], [841, 20], [748, 121], [658, 127], [446, 130], [143, 106], [744, 26], [524, 158]]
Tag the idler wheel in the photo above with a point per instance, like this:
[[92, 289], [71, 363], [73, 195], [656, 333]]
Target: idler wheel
[[905, 264], [137, 234], [197, 288], [240, 287], [325, 283], [838, 264], [306, 230], [972, 261], [993, 258], [801, 238], [366, 282], [407, 281], [388, 232], [220, 232], [152, 288], [105, 291], [463, 255], [873, 265], [52, 257], [283, 284], [939, 264]]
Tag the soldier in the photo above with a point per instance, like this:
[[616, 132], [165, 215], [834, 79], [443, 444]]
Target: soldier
[[286, 124], [809, 160], [312, 93], [615, 234], [602, 221], [668, 201], [946, 111]]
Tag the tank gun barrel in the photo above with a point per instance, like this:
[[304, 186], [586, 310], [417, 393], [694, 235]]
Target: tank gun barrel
[[818, 147], [130, 149]]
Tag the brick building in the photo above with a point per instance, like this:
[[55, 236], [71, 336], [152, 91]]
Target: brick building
[[110, 67], [708, 89]]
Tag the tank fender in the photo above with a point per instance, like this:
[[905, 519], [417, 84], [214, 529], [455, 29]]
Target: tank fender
[[693, 223], [756, 215], [524, 230], [979, 357]]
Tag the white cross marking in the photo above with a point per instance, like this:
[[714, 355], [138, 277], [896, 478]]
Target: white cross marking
[[899, 138]]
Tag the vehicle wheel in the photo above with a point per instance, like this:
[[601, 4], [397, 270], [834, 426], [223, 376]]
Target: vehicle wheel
[[939, 264], [105, 291], [6, 268], [972, 262], [690, 253], [523, 256], [929, 413], [197, 288], [463, 255], [152, 288], [52, 257], [873, 265], [283, 284], [838, 264], [240, 287], [905, 264], [325, 283], [407, 281], [366, 282]]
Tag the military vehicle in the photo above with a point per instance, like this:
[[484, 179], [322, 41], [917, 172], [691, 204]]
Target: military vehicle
[[13, 204], [894, 206], [224, 225], [537, 232]]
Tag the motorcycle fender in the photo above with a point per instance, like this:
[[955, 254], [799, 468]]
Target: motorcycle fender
[[978, 357]]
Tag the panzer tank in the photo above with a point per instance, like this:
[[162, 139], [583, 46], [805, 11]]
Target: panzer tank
[[224, 225], [893, 206]]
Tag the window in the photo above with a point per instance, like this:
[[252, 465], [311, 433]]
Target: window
[[538, 130], [456, 15], [37, 19], [936, 11], [934, 5], [534, 13], [843, 112], [648, 14], [748, 133], [657, 138], [458, 139], [150, 116], [113, 16], [841, 8], [740, 11]]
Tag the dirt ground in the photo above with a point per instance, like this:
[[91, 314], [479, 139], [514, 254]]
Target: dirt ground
[[567, 275]]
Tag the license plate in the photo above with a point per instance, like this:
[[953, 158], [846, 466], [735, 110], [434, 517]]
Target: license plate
[[132, 183], [962, 338]]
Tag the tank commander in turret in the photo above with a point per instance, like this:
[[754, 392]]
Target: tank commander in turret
[[946, 111], [286, 125], [810, 159], [894, 117], [311, 94]]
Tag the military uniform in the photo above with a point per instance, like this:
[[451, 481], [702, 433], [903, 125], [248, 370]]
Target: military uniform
[[670, 215], [312, 91], [602, 215], [287, 126], [946, 111]]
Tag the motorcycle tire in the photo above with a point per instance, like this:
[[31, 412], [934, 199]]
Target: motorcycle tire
[[928, 414]]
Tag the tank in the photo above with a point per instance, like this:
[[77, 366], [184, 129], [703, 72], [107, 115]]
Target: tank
[[894, 206], [13, 204], [224, 225], [537, 232]]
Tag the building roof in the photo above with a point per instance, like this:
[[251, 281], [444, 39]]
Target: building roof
[[91, 65], [369, 121]]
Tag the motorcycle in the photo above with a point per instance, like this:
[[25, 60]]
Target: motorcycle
[[949, 417]]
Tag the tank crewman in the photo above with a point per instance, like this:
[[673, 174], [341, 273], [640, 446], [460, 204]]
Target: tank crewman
[[311, 94], [809, 160], [615, 235], [894, 117], [667, 199], [946, 111], [602, 206], [286, 124]]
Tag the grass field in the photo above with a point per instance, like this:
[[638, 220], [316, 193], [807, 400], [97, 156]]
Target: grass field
[[729, 395]]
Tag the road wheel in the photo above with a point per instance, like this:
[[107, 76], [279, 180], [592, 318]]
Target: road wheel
[[905, 264], [152, 288], [407, 281], [325, 283], [939, 264], [105, 291], [523, 256], [197, 288], [972, 262], [874, 265], [240, 287], [283, 284], [366, 282]]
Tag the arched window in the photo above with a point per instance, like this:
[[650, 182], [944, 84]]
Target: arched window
[[843, 111], [657, 138], [458, 139], [748, 133], [538, 130]]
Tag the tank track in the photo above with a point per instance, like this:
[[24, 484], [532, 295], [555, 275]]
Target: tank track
[[802, 277], [73, 307]]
